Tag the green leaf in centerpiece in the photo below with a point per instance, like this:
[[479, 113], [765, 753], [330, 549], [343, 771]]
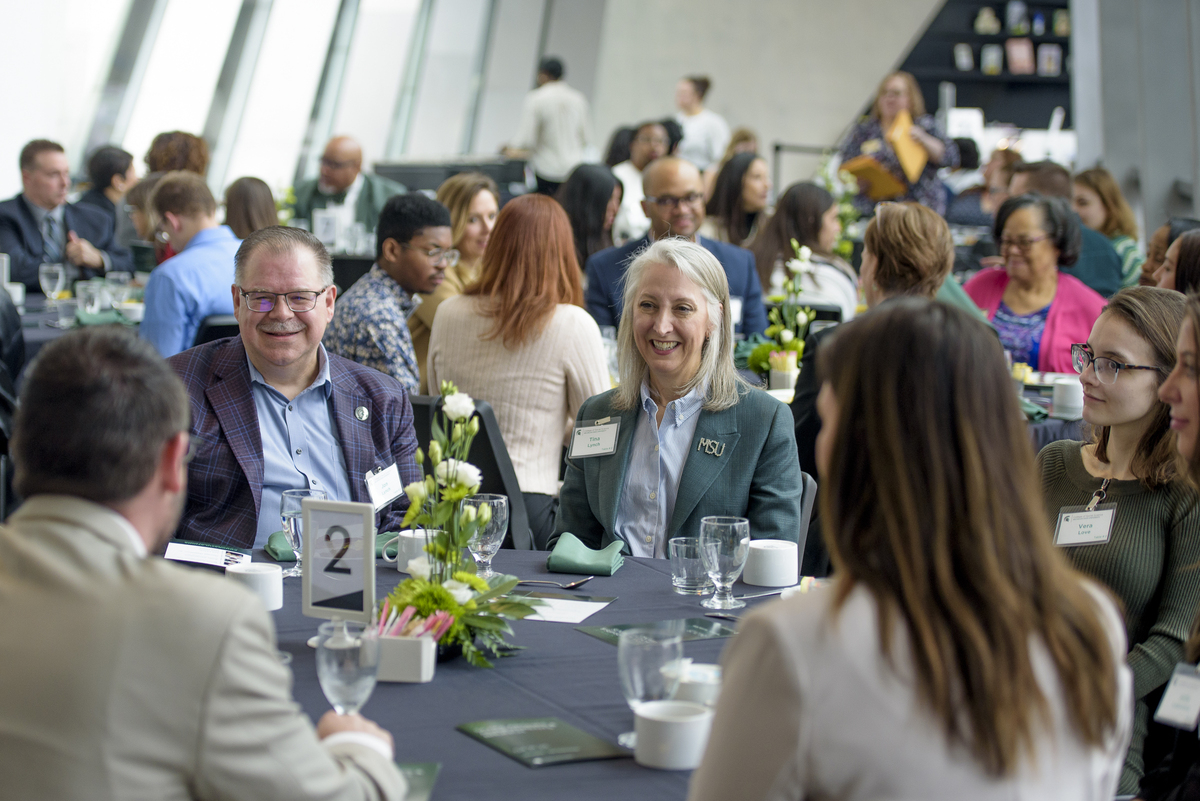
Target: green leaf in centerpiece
[[507, 585]]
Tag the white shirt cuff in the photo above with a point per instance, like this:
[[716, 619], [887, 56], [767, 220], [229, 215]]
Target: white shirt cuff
[[377, 744]]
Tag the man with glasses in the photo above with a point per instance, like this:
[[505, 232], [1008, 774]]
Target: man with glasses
[[650, 142], [412, 253], [194, 283], [272, 410], [342, 183], [674, 203]]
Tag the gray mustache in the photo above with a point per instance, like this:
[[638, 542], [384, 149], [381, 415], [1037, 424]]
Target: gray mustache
[[279, 327]]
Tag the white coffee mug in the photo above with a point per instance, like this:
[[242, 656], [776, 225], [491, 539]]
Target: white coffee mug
[[1068, 399], [671, 735], [772, 563], [262, 578], [409, 545], [700, 683]]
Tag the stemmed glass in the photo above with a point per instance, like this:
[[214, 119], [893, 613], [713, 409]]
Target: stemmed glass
[[724, 545], [119, 287], [292, 515], [51, 277], [347, 663], [649, 659], [488, 539]]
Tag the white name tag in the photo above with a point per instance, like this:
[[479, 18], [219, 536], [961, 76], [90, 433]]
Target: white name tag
[[595, 439], [1077, 525], [735, 310], [384, 486], [1180, 706]]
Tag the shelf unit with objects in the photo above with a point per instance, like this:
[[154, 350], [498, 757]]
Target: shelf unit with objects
[[1024, 100]]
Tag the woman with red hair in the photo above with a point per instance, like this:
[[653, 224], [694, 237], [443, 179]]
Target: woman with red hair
[[520, 339]]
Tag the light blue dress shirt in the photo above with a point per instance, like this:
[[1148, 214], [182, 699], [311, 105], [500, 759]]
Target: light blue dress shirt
[[657, 456], [301, 448], [188, 287]]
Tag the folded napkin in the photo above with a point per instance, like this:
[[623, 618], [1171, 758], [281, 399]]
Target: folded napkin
[[107, 317], [1033, 412], [278, 549], [572, 556], [380, 539]]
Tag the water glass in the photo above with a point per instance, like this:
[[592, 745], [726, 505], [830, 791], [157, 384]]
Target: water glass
[[650, 662], [119, 286], [489, 538], [724, 545], [88, 295], [347, 663], [292, 515], [52, 277], [688, 575], [66, 312]]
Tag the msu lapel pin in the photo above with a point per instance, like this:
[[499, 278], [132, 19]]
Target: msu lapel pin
[[711, 447], [361, 413]]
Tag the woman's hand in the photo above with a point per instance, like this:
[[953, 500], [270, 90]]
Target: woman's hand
[[933, 146]]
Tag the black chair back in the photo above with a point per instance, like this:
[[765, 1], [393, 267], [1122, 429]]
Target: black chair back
[[490, 455], [214, 327]]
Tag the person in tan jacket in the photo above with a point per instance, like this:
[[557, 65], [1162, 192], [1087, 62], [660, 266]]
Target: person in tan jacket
[[124, 676]]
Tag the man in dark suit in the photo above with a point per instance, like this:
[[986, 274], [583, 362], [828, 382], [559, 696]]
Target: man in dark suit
[[675, 205], [39, 226], [271, 410]]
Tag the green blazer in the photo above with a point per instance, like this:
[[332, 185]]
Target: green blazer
[[375, 194], [742, 463]]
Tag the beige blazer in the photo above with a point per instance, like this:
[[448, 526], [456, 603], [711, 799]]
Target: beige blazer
[[131, 678]]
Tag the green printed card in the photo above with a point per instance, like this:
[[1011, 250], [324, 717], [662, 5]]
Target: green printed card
[[694, 628], [536, 742]]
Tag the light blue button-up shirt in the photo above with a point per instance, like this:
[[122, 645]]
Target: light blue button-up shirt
[[657, 456], [301, 448], [188, 287]]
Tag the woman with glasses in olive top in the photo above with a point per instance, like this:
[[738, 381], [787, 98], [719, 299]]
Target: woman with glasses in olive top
[[1144, 539], [1037, 311]]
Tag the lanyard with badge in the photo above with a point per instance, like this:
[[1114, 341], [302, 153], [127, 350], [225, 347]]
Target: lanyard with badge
[[1180, 705], [1086, 525], [596, 438]]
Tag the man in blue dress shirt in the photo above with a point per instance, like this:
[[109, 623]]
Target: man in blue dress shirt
[[675, 205], [194, 283]]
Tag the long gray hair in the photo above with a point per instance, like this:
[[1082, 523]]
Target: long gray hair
[[716, 355]]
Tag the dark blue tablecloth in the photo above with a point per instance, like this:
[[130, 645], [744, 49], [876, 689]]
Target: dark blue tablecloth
[[562, 673]]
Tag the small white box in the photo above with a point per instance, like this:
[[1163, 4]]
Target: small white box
[[409, 659]]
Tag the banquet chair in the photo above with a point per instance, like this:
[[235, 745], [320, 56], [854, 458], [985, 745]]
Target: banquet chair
[[808, 499], [490, 455], [214, 327]]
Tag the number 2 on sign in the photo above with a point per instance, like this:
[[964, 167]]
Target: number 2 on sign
[[333, 567]]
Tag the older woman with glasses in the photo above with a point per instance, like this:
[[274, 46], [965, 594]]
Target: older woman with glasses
[[1037, 310], [1120, 511], [693, 438]]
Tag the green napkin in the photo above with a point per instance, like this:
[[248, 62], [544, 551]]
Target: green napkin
[[572, 556], [107, 317], [1033, 412], [278, 549], [380, 539]]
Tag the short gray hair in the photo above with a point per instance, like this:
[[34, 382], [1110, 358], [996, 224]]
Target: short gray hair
[[716, 355], [278, 240]]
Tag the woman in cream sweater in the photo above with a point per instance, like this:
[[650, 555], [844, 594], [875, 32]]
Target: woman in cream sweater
[[519, 339]]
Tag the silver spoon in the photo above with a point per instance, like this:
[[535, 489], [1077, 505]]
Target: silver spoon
[[570, 585]]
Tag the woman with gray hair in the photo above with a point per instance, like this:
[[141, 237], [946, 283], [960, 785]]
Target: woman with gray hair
[[693, 439]]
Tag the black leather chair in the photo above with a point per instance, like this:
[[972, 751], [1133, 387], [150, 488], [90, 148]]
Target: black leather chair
[[490, 455], [214, 327]]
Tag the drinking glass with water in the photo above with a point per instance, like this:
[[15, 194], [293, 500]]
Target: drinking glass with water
[[292, 515], [347, 663]]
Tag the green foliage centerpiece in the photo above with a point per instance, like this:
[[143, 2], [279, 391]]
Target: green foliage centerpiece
[[445, 580]]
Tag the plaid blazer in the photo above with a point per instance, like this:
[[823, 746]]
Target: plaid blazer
[[225, 478]]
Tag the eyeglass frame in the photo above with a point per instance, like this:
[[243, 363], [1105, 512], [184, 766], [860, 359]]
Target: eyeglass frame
[[1023, 245], [276, 295], [442, 255], [669, 202], [1092, 358]]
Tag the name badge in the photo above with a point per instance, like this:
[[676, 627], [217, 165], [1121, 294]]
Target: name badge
[[1180, 705], [598, 438], [1079, 525], [384, 486], [735, 309]]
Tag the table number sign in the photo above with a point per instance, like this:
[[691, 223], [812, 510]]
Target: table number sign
[[339, 560]]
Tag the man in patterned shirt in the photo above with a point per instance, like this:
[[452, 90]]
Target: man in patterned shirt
[[370, 324]]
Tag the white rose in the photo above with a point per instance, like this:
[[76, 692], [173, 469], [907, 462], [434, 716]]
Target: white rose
[[795, 266], [805, 253], [459, 591], [786, 336], [458, 406], [452, 472], [801, 318], [416, 493], [419, 568]]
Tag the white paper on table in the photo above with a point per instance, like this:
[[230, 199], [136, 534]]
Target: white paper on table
[[556, 608], [204, 555]]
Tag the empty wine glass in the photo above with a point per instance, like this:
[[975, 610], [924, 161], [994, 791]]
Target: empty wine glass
[[292, 515], [488, 539], [347, 663], [649, 659], [724, 545], [51, 277]]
